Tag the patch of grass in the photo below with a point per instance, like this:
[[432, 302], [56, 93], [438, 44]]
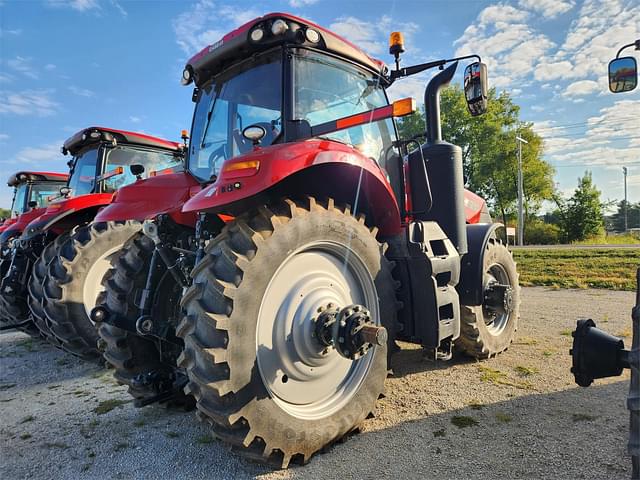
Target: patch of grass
[[27, 344], [624, 334], [53, 387], [503, 417], [60, 445], [62, 361], [107, 405], [582, 417], [139, 423], [93, 423], [526, 341], [491, 375], [28, 418], [439, 433], [610, 268], [7, 386], [205, 439], [475, 405], [609, 240], [566, 332], [171, 434], [25, 436], [524, 371], [547, 353], [462, 421]]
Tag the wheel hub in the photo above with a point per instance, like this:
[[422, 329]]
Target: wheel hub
[[349, 330], [297, 336], [499, 298]]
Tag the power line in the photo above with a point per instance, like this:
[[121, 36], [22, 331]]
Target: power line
[[587, 123]]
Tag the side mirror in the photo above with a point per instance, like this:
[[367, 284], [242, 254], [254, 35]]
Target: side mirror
[[255, 133], [32, 204], [64, 191], [136, 169], [476, 88], [623, 74]]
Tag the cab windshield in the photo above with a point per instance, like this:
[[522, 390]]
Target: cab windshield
[[83, 174], [327, 88], [248, 94], [19, 200], [43, 193], [153, 162]]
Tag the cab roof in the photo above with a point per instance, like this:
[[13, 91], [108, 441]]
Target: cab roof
[[238, 44], [25, 176], [91, 135]]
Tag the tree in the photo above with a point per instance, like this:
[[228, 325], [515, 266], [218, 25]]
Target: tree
[[582, 214], [489, 150], [5, 213], [616, 221]]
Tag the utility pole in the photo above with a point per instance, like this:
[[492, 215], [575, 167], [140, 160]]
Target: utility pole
[[624, 170], [520, 209]]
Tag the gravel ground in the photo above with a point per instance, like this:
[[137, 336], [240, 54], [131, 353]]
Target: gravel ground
[[516, 416]]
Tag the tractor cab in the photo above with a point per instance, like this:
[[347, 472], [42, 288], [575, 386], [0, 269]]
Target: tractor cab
[[103, 160], [275, 79], [34, 190]]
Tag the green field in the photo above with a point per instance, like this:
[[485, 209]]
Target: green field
[[613, 269]]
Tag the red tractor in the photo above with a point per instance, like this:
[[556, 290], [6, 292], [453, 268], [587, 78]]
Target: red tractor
[[317, 240], [33, 191], [102, 161]]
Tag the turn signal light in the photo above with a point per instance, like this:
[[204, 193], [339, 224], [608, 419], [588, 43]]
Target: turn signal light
[[403, 107], [249, 164]]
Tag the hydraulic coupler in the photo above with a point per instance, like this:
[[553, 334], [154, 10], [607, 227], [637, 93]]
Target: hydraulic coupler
[[596, 354]]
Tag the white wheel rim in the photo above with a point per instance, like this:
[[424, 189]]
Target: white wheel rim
[[93, 281], [301, 379]]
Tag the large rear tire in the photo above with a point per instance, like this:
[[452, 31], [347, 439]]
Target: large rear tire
[[74, 283], [483, 332], [268, 389], [13, 307], [36, 297], [133, 356]]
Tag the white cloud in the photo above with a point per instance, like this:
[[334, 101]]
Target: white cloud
[[507, 44], [78, 5], [301, 3], [581, 87], [119, 8], [3, 137], [206, 23], [81, 92], [593, 38], [50, 66], [23, 66], [134, 119], [8, 32], [369, 36], [38, 155], [609, 138], [548, 8], [28, 102]]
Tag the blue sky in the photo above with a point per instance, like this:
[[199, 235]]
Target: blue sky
[[68, 64]]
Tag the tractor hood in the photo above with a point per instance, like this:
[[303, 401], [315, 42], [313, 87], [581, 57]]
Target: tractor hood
[[475, 208], [148, 198], [17, 225], [311, 165], [63, 208]]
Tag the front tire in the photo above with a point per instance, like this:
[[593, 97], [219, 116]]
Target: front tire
[[133, 356], [266, 387], [483, 332], [36, 297], [75, 282]]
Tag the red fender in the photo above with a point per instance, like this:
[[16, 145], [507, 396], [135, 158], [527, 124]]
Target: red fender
[[14, 226], [152, 196], [473, 206], [254, 173]]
